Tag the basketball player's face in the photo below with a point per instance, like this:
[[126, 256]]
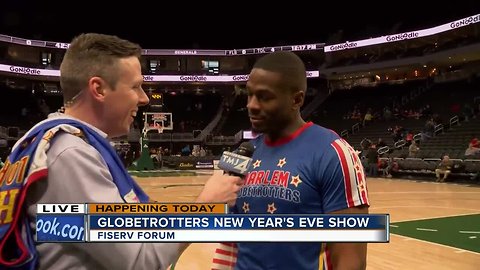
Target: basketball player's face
[[269, 105], [122, 100]]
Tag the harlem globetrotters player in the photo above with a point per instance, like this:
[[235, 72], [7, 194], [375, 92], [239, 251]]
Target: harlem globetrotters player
[[298, 168]]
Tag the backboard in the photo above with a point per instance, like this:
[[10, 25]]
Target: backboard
[[158, 121]]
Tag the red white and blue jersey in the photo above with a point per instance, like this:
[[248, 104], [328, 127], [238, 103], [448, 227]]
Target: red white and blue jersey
[[313, 171]]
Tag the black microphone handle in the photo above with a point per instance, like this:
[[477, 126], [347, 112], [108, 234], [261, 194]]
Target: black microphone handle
[[234, 174]]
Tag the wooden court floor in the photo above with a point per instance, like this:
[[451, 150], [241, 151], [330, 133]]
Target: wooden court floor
[[403, 199]]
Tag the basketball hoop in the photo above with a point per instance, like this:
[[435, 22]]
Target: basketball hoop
[[158, 121]]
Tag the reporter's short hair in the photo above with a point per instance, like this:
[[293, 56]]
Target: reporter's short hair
[[92, 55]]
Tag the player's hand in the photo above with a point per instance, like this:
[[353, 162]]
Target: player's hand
[[221, 188]]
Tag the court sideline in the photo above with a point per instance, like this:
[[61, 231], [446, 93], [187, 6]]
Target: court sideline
[[403, 199]]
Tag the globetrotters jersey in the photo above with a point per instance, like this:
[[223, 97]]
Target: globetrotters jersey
[[313, 171]]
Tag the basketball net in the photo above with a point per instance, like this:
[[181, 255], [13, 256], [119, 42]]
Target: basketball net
[[156, 126]]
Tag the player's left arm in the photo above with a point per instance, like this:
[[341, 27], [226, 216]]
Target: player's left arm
[[344, 191], [349, 255]]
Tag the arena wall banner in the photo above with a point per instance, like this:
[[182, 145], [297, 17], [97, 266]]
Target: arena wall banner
[[185, 165], [204, 164]]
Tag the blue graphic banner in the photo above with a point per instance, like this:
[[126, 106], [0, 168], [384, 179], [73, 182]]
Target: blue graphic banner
[[238, 222], [60, 228]]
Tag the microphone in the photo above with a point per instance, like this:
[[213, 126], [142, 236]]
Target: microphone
[[238, 162]]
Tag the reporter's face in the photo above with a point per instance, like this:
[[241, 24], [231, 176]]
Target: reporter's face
[[122, 101]]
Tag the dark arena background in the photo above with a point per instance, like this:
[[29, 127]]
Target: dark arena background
[[400, 83]]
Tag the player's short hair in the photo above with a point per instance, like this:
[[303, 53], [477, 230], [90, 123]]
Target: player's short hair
[[289, 66], [92, 55]]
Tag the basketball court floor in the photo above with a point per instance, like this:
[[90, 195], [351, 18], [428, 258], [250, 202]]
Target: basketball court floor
[[404, 200]]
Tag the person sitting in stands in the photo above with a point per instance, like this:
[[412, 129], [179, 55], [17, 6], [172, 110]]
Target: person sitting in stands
[[413, 149], [444, 167], [473, 147]]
